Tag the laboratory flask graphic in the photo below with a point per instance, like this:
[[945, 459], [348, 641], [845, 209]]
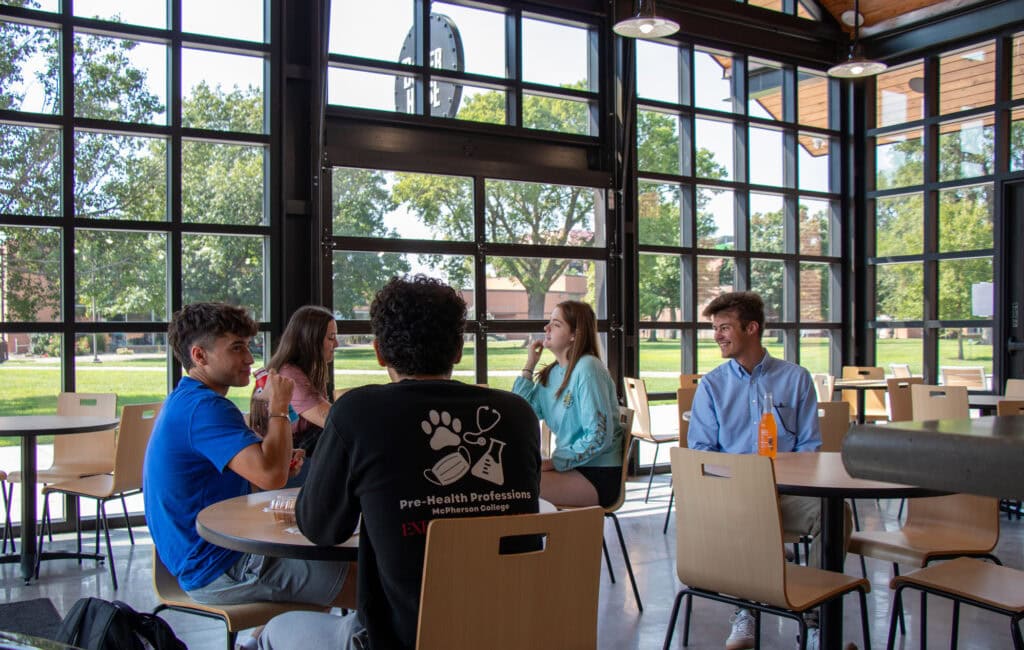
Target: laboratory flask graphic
[[489, 466]]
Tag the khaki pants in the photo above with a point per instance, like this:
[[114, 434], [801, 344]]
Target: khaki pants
[[802, 516]]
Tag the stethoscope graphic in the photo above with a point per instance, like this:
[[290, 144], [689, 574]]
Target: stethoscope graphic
[[479, 438]]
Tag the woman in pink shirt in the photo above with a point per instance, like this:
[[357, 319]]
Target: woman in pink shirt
[[304, 355]]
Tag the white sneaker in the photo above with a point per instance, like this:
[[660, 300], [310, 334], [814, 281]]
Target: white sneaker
[[742, 635], [813, 640]]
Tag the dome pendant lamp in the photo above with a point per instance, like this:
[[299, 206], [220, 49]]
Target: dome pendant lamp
[[645, 23], [856, 66]]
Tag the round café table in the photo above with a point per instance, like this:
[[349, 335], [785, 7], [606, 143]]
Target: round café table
[[27, 427], [822, 474], [246, 524]]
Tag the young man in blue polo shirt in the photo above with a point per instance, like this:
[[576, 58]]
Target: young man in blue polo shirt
[[727, 408], [202, 452]]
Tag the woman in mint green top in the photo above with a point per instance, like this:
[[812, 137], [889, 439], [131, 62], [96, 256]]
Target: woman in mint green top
[[575, 396]]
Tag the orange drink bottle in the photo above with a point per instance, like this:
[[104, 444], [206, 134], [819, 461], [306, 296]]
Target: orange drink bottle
[[767, 434]]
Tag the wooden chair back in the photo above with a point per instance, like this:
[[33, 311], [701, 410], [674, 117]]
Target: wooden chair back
[[824, 386], [969, 376], [684, 402], [728, 530], [689, 381], [136, 426], [976, 516], [626, 424], [834, 421], [1010, 407], [900, 370], [901, 403], [472, 596], [1015, 388], [94, 448], [939, 402], [874, 400], [636, 399]]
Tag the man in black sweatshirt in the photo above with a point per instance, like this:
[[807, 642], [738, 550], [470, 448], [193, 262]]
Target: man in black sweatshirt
[[401, 454]]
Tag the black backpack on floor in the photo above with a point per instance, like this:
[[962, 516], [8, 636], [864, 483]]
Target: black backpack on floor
[[97, 624]]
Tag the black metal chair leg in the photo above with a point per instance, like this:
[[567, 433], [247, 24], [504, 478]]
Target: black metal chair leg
[[650, 481], [803, 633], [127, 524], [955, 631], [101, 510], [856, 519], [897, 608], [864, 619], [686, 627], [923, 619], [672, 622], [863, 567], [78, 530], [757, 630], [42, 532], [231, 638], [903, 623], [607, 559], [625, 556], [668, 513]]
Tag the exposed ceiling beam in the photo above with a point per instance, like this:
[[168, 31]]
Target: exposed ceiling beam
[[967, 21]]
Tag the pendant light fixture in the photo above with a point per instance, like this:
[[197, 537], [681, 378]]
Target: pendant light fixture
[[856, 66], [645, 23]]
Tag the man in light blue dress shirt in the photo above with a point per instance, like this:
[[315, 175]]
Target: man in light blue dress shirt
[[727, 409]]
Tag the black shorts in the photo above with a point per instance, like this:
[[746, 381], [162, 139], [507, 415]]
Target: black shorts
[[606, 480]]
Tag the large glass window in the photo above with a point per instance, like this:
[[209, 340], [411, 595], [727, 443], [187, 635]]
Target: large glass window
[[934, 203], [471, 71], [98, 268], [753, 207]]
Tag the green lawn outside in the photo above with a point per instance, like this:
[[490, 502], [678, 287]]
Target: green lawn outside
[[30, 386]]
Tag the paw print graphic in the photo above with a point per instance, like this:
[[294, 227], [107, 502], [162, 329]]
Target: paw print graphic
[[443, 429]]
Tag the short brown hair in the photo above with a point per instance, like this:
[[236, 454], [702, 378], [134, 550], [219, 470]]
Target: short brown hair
[[747, 305], [202, 323]]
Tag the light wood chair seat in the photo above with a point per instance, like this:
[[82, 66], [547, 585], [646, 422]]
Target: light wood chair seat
[[236, 617], [992, 584], [1010, 407], [808, 587], [989, 586], [68, 470], [473, 596], [919, 546]]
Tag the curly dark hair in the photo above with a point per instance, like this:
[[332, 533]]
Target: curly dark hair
[[202, 323], [747, 305], [419, 322]]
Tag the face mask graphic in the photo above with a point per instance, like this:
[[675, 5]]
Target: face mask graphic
[[449, 469]]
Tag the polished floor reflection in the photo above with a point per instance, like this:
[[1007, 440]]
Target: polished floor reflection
[[653, 556]]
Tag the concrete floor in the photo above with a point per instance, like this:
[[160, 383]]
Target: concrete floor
[[621, 627]]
